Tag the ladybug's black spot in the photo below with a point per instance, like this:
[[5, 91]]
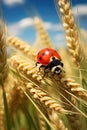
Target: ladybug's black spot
[[40, 58], [43, 54]]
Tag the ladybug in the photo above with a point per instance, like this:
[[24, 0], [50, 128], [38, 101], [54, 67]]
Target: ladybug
[[49, 59]]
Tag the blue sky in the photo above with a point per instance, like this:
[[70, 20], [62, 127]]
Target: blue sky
[[19, 16]]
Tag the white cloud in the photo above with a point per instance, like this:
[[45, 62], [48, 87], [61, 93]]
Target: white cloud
[[18, 27], [13, 2], [26, 22], [52, 26], [80, 9], [59, 37]]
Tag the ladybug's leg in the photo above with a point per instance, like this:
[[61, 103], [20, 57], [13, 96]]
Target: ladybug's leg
[[37, 63], [41, 67], [47, 68]]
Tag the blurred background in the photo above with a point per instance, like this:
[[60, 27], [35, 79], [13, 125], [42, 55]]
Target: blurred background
[[19, 14]]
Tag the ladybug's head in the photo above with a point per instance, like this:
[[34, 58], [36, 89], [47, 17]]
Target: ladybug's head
[[55, 66]]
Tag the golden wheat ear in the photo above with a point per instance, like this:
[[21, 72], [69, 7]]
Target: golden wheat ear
[[43, 39], [21, 46], [4, 74], [3, 51], [72, 32]]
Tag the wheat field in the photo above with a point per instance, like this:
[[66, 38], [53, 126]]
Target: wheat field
[[30, 100]]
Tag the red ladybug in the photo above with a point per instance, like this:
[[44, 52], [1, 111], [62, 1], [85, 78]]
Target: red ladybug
[[50, 59]]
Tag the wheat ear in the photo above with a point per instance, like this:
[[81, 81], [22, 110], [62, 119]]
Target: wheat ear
[[42, 37], [73, 87], [68, 89], [44, 99], [21, 46], [72, 35], [3, 53], [46, 102]]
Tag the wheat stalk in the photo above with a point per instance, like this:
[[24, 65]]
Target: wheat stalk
[[2, 115], [72, 35]]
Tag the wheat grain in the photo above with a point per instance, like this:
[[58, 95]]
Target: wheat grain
[[56, 121], [42, 122]]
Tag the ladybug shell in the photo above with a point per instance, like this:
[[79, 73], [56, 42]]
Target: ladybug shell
[[44, 56]]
